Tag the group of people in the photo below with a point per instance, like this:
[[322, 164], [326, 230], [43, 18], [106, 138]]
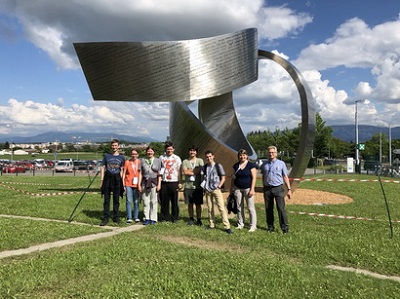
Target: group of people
[[158, 180]]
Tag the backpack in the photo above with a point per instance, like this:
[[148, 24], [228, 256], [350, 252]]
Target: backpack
[[231, 204]]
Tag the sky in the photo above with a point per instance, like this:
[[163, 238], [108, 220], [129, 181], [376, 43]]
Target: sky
[[347, 50]]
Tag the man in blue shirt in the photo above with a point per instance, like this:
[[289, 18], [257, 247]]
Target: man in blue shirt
[[274, 175], [111, 181]]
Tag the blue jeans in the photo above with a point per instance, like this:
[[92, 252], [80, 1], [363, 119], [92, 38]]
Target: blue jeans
[[131, 197]]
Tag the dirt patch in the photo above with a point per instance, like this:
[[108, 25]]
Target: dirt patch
[[310, 197], [202, 243]]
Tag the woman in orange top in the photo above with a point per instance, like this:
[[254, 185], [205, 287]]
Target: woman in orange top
[[131, 177]]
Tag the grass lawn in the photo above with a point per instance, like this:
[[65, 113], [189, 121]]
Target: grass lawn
[[176, 261]]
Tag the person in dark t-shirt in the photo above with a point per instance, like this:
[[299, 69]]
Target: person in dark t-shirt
[[111, 181]]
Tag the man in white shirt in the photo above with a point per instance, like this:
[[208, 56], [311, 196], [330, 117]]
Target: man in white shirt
[[170, 178]]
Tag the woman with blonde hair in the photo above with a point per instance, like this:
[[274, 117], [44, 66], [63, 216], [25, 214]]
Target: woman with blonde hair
[[243, 185]]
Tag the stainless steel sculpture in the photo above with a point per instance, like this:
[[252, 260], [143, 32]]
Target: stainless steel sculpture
[[180, 72]]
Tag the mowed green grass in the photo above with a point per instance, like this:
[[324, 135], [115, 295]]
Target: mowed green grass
[[176, 261]]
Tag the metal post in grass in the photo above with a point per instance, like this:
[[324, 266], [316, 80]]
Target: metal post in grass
[[83, 195], [387, 207]]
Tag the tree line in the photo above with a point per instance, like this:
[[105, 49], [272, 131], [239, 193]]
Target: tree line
[[325, 145]]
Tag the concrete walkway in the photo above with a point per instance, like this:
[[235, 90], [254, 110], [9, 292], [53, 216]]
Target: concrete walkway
[[113, 231]]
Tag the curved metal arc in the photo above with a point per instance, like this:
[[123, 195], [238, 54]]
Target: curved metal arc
[[307, 133], [170, 71]]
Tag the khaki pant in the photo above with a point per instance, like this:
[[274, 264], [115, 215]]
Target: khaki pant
[[215, 198]]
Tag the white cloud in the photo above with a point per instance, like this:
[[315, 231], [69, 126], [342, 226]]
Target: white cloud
[[355, 45], [126, 118], [278, 22], [54, 26]]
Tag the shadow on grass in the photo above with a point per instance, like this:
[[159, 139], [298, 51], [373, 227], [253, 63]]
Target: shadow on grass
[[94, 214]]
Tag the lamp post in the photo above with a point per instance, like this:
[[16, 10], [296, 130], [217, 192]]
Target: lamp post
[[358, 166], [390, 147], [75, 138], [358, 162]]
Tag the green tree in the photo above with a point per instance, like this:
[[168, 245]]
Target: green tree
[[261, 140], [395, 144], [376, 146], [286, 142], [158, 148], [341, 149], [323, 138], [69, 147], [86, 148]]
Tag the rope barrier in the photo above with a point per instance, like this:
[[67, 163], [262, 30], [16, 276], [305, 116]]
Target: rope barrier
[[341, 180], [44, 194]]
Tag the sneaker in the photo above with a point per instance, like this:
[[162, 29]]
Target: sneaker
[[137, 220], [103, 222], [146, 222], [152, 222], [252, 229], [129, 221], [285, 231], [117, 220], [199, 223], [240, 226], [190, 222], [228, 231]]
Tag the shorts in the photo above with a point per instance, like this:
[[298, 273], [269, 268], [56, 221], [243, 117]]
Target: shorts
[[193, 196]]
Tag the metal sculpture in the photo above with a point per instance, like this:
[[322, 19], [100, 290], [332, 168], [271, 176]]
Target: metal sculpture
[[180, 72]]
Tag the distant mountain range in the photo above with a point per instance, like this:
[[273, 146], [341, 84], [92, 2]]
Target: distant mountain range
[[74, 137], [343, 132], [348, 132]]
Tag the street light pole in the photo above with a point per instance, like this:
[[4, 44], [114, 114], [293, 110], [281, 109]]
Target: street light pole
[[356, 128], [358, 162], [390, 146]]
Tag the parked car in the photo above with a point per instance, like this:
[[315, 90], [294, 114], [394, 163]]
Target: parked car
[[49, 163], [328, 162], [39, 163], [93, 165], [27, 164], [64, 166], [13, 168], [81, 165]]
